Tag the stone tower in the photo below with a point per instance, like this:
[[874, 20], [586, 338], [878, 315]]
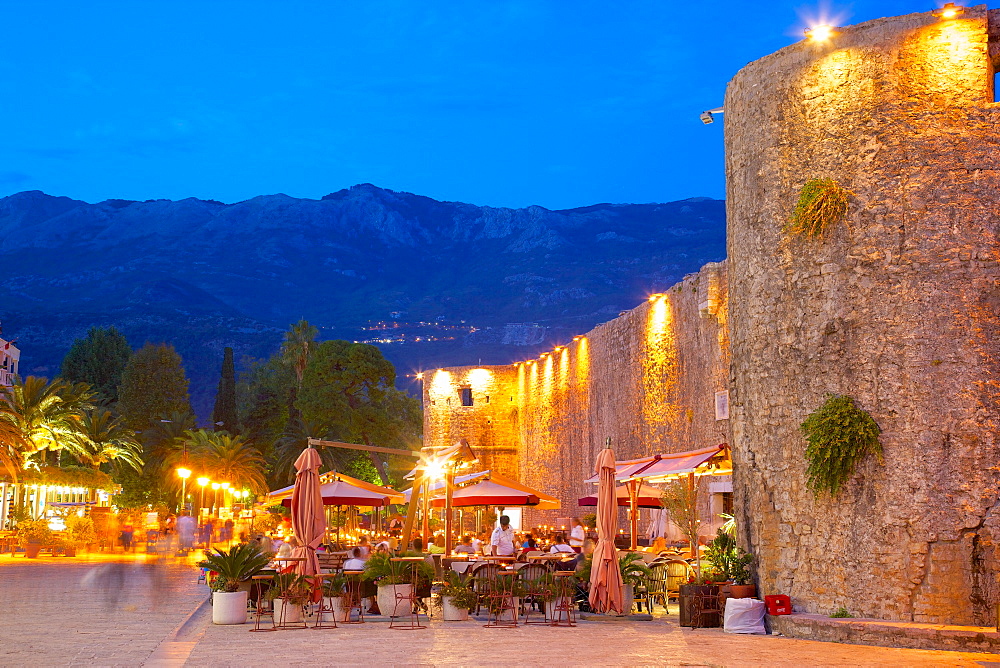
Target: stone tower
[[898, 307]]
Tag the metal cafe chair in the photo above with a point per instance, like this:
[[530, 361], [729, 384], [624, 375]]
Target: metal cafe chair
[[324, 607], [408, 603], [263, 608], [533, 579], [483, 579], [355, 600], [563, 612], [500, 601]]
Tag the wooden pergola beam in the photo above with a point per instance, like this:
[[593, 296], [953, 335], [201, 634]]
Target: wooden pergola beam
[[366, 448]]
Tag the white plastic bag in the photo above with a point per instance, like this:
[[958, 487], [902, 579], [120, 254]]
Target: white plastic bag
[[744, 615]]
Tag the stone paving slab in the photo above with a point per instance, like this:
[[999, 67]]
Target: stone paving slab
[[102, 611]]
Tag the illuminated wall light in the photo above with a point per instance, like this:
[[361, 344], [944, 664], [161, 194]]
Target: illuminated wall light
[[949, 11], [479, 379], [420, 376], [820, 33]]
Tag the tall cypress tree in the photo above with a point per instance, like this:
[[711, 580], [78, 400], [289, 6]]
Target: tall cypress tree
[[153, 386], [225, 398]]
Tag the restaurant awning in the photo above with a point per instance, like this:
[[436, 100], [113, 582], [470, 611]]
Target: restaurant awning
[[544, 502], [648, 497], [391, 495], [666, 466]]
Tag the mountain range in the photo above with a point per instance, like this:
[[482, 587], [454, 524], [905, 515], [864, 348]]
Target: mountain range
[[430, 282]]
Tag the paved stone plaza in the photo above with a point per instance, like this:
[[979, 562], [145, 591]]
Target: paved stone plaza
[[100, 610]]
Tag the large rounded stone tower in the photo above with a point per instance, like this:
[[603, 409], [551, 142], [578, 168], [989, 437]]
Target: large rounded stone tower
[[898, 306]]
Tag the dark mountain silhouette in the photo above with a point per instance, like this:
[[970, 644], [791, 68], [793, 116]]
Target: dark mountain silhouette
[[203, 275]]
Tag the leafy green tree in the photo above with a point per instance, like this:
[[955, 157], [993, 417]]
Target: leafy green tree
[[99, 360], [263, 397], [225, 399], [153, 385], [349, 386]]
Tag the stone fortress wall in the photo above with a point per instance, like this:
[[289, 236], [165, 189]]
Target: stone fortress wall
[[646, 380], [897, 307]]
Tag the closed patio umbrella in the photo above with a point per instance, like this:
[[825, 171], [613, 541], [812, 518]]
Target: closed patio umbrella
[[605, 577], [308, 519]]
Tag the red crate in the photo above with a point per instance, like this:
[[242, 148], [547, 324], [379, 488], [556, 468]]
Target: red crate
[[778, 604]]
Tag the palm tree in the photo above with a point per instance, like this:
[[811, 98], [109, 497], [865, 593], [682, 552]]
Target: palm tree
[[297, 348], [228, 458], [13, 446], [47, 415], [108, 439], [294, 440]]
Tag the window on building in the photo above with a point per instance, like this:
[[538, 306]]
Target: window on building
[[727, 503], [466, 394]]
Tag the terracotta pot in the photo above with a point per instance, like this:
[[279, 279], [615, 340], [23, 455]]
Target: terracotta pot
[[31, 550]]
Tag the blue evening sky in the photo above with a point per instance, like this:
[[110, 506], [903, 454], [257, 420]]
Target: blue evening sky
[[557, 103]]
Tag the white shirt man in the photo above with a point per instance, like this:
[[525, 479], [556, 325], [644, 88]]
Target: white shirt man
[[577, 536], [502, 540]]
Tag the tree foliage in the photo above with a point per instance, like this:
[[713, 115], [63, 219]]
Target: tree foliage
[[99, 360], [153, 385], [349, 387]]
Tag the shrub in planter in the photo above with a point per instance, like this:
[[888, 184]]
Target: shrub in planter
[[289, 592], [80, 531], [335, 597], [34, 534], [456, 598], [229, 605], [394, 577]]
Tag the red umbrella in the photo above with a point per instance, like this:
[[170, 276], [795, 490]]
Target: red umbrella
[[490, 493], [308, 520], [343, 493], [605, 576]]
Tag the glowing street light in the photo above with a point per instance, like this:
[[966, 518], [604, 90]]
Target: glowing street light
[[949, 11], [202, 481], [820, 33], [215, 496], [184, 475]]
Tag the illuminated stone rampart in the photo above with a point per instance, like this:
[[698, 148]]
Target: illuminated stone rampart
[[646, 379], [897, 307]]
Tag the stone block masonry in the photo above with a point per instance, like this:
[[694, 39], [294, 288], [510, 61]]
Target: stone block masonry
[[647, 380], [897, 307]]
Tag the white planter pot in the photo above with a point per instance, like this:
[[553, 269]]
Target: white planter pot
[[387, 599], [550, 607], [451, 613], [229, 607], [628, 598], [287, 613], [512, 613], [341, 611]]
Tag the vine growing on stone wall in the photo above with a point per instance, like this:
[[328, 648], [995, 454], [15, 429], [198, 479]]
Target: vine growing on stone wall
[[840, 434], [822, 203]]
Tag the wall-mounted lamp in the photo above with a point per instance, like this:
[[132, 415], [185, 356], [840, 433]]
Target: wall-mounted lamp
[[708, 117], [820, 33], [949, 11]]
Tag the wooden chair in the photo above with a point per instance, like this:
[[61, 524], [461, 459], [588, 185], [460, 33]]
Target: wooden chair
[[656, 585], [678, 573]]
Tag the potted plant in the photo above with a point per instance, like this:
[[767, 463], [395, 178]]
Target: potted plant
[[80, 532], [507, 608], [705, 587], [288, 593], [233, 567], [554, 593], [634, 573], [335, 597], [456, 598], [34, 534], [394, 577], [732, 563]]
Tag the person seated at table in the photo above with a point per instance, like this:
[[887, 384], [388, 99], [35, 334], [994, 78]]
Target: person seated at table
[[561, 545], [364, 547], [355, 561], [465, 547], [284, 552], [436, 546], [529, 543], [477, 542], [659, 545], [418, 545], [502, 540]]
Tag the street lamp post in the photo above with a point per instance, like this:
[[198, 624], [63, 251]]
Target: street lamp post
[[225, 490], [184, 475], [215, 497], [203, 481]]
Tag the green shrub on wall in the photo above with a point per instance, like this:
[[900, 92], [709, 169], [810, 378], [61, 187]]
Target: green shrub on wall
[[822, 203], [840, 434]]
